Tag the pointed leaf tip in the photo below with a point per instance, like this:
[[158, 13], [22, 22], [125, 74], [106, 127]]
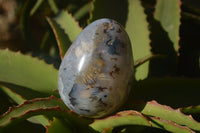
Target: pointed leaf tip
[[65, 29], [167, 12], [34, 74], [164, 112], [137, 29]]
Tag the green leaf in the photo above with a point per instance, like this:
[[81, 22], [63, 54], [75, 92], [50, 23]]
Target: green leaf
[[108, 130], [49, 107], [27, 71], [62, 39], [82, 11], [53, 6], [137, 29], [65, 29], [25, 25], [67, 23], [167, 12], [167, 113], [36, 7], [13, 95], [135, 118], [5, 102], [20, 99], [191, 110], [60, 126], [21, 112], [113, 9]]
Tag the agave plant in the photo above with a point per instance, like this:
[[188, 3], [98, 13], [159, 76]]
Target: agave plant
[[161, 99]]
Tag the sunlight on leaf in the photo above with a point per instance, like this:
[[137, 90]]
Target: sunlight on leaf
[[27, 71], [168, 13], [137, 28]]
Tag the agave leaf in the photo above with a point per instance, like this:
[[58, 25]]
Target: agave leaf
[[191, 110], [29, 72], [25, 25], [20, 99], [82, 11], [10, 117], [62, 26], [137, 29], [5, 103], [113, 9], [167, 113], [168, 14], [62, 39], [19, 94], [135, 118], [67, 23], [13, 95], [53, 6], [60, 126], [36, 7], [108, 130], [49, 107]]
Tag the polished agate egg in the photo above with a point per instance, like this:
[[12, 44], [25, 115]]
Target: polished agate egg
[[95, 73]]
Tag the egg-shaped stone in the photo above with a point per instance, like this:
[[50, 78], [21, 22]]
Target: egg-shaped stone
[[96, 71]]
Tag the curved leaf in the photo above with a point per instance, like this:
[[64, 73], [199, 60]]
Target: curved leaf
[[62, 26], [60, 126], [23, 92], [113, 9], [191, 110], [10, 117], [36, 7], [50, 107], [82, 11], [135, 118], [13, 95], [62, 39], [167, 113], [25, 23], [168, 13], [18, 98], [53, 6], [67, 23], [27, 71], [22, 109], [137, 29]]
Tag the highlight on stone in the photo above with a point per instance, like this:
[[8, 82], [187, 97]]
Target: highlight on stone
[[95, 73]]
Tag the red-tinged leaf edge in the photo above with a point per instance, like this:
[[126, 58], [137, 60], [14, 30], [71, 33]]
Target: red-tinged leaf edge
[[190, 122], [108, 130], [49, 112], [7, 76], [61, 49], [157, 120], [191, 110], [59, 125], [65, 32], [150, 122]]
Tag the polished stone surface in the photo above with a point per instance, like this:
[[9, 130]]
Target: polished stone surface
[[95, 73]]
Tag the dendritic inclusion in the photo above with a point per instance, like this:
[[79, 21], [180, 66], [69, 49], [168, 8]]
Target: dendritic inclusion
[[95, 73]]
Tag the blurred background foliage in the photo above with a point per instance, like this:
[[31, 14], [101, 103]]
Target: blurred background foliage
[[173, 80], [23, 27]]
